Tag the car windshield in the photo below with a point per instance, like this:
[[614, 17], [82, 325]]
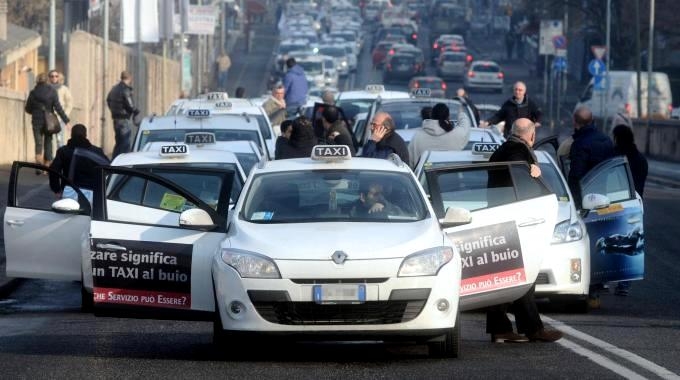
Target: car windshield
[[332, 51], [177, 135], [479, 136], [432, 84], [333, 196], [285, 49], [552, 178], [352, 107], [311, 67], [486, 68], [406, 115], [247, 161]]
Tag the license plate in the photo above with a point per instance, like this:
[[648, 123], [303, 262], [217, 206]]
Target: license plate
[[403, 67], [339, 293]]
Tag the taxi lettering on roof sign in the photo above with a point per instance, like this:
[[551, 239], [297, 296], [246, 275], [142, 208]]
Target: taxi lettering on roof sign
[[223, 105], [198, 113], [484, 147], [331, 152], [421, 92], [216, 96], [199, 138], [176, 150], [375, 88]]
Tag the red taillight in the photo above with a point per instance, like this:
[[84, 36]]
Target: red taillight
[[435, 46], [443, 86], [628, 109], [391, 51], [471, 74], [500, 75], [468, 58], [414, 36], [416, 85]]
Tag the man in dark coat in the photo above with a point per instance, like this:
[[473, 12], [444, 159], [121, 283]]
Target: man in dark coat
[[76, 161], [335, 129], [384, 140], [518, 147], [43, 98], [301, 141], [122, 110], [519, 106], [590, 147]]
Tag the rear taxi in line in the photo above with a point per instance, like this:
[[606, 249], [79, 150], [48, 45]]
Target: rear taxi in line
[[353, 249]]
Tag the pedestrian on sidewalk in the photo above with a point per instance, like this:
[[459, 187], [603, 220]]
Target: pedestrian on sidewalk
[[295, 86], [519, 147], [223, 65], [77, 161], [519, 106], [41, 100], [122, 110], [65, 99]]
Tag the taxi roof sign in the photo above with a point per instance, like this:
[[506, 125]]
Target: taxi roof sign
[[223, 105], [421, 92], [214, 96], [331, 152], [198, 113], [199, 138], [174, 150], [484, 148], [375, 88]]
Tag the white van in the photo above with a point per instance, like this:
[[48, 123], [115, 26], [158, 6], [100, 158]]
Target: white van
[[622, 96]]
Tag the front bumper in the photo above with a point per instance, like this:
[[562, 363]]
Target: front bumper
[[556, 275]]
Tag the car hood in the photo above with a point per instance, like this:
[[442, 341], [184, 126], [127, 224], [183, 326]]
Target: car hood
[[318, 241]]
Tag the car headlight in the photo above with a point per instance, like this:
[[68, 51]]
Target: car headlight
[[425, 263], [250, 264], [344, 63], [567, 232]]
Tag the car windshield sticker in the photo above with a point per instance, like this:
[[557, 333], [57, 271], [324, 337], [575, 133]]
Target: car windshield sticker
[[616, 207], [262, 215], [491, 258], [140, 273], [172, 202]]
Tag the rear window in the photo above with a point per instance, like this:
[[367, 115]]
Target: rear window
[[177, 135], [401, 60], [433, 84], [454, 58], [406, 115], [486, 68]]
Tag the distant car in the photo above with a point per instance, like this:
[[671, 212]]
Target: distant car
[[436, 85], [484, 75], [452, 65], [401, 66]]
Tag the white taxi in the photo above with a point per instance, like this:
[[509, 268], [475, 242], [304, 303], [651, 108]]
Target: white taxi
[[573, 261], [181, 127], [353, 249]]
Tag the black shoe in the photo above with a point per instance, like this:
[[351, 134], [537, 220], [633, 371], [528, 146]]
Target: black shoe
[[509, 337], [544, 335]]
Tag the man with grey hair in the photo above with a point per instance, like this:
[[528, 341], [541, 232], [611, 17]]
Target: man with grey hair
[[328, 97], [384, 140], [275, 106], [518, 147], [519, 106]]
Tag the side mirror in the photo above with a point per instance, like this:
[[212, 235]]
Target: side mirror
[[594, 201], [196, 218], [455, 216], [66, 206]]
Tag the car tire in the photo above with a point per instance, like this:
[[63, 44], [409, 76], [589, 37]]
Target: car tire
[[449, 346]]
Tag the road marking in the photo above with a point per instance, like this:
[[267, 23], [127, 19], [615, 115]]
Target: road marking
[[627, 355], [599, 359]]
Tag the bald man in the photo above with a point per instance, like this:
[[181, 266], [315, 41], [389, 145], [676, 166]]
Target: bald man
[[518, 147], [589, 148], [519, 106], [384, 140]]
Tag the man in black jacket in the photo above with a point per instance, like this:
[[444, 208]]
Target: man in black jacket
[[519, 106], [122, 110], [76, 161], [518, 147], [335, 130]]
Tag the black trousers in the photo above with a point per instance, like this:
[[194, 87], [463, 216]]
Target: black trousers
[[123, 131], [526, 315]]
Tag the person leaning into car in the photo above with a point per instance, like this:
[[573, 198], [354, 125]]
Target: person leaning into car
[[518, 147]]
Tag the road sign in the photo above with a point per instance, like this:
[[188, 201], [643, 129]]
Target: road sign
[[559, 42], [596, 68], [599, 82], [549, 29], [598, 51], [559, 64], [560, 52]]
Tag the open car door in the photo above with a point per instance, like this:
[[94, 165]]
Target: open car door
[[513, 218], [152, 241], [617, 238], [44, 237]]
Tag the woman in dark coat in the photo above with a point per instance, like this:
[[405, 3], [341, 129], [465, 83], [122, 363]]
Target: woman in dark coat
[[302, 140], [43, 98]]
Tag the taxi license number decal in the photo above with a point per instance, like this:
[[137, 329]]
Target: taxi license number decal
[[172, 202], [491, 258], [610, 210]]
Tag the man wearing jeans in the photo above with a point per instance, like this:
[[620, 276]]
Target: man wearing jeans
[[122, 110]]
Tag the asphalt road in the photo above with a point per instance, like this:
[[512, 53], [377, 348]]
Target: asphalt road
[[44, 335]]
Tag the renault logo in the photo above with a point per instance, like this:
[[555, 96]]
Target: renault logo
[[339, 257]]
